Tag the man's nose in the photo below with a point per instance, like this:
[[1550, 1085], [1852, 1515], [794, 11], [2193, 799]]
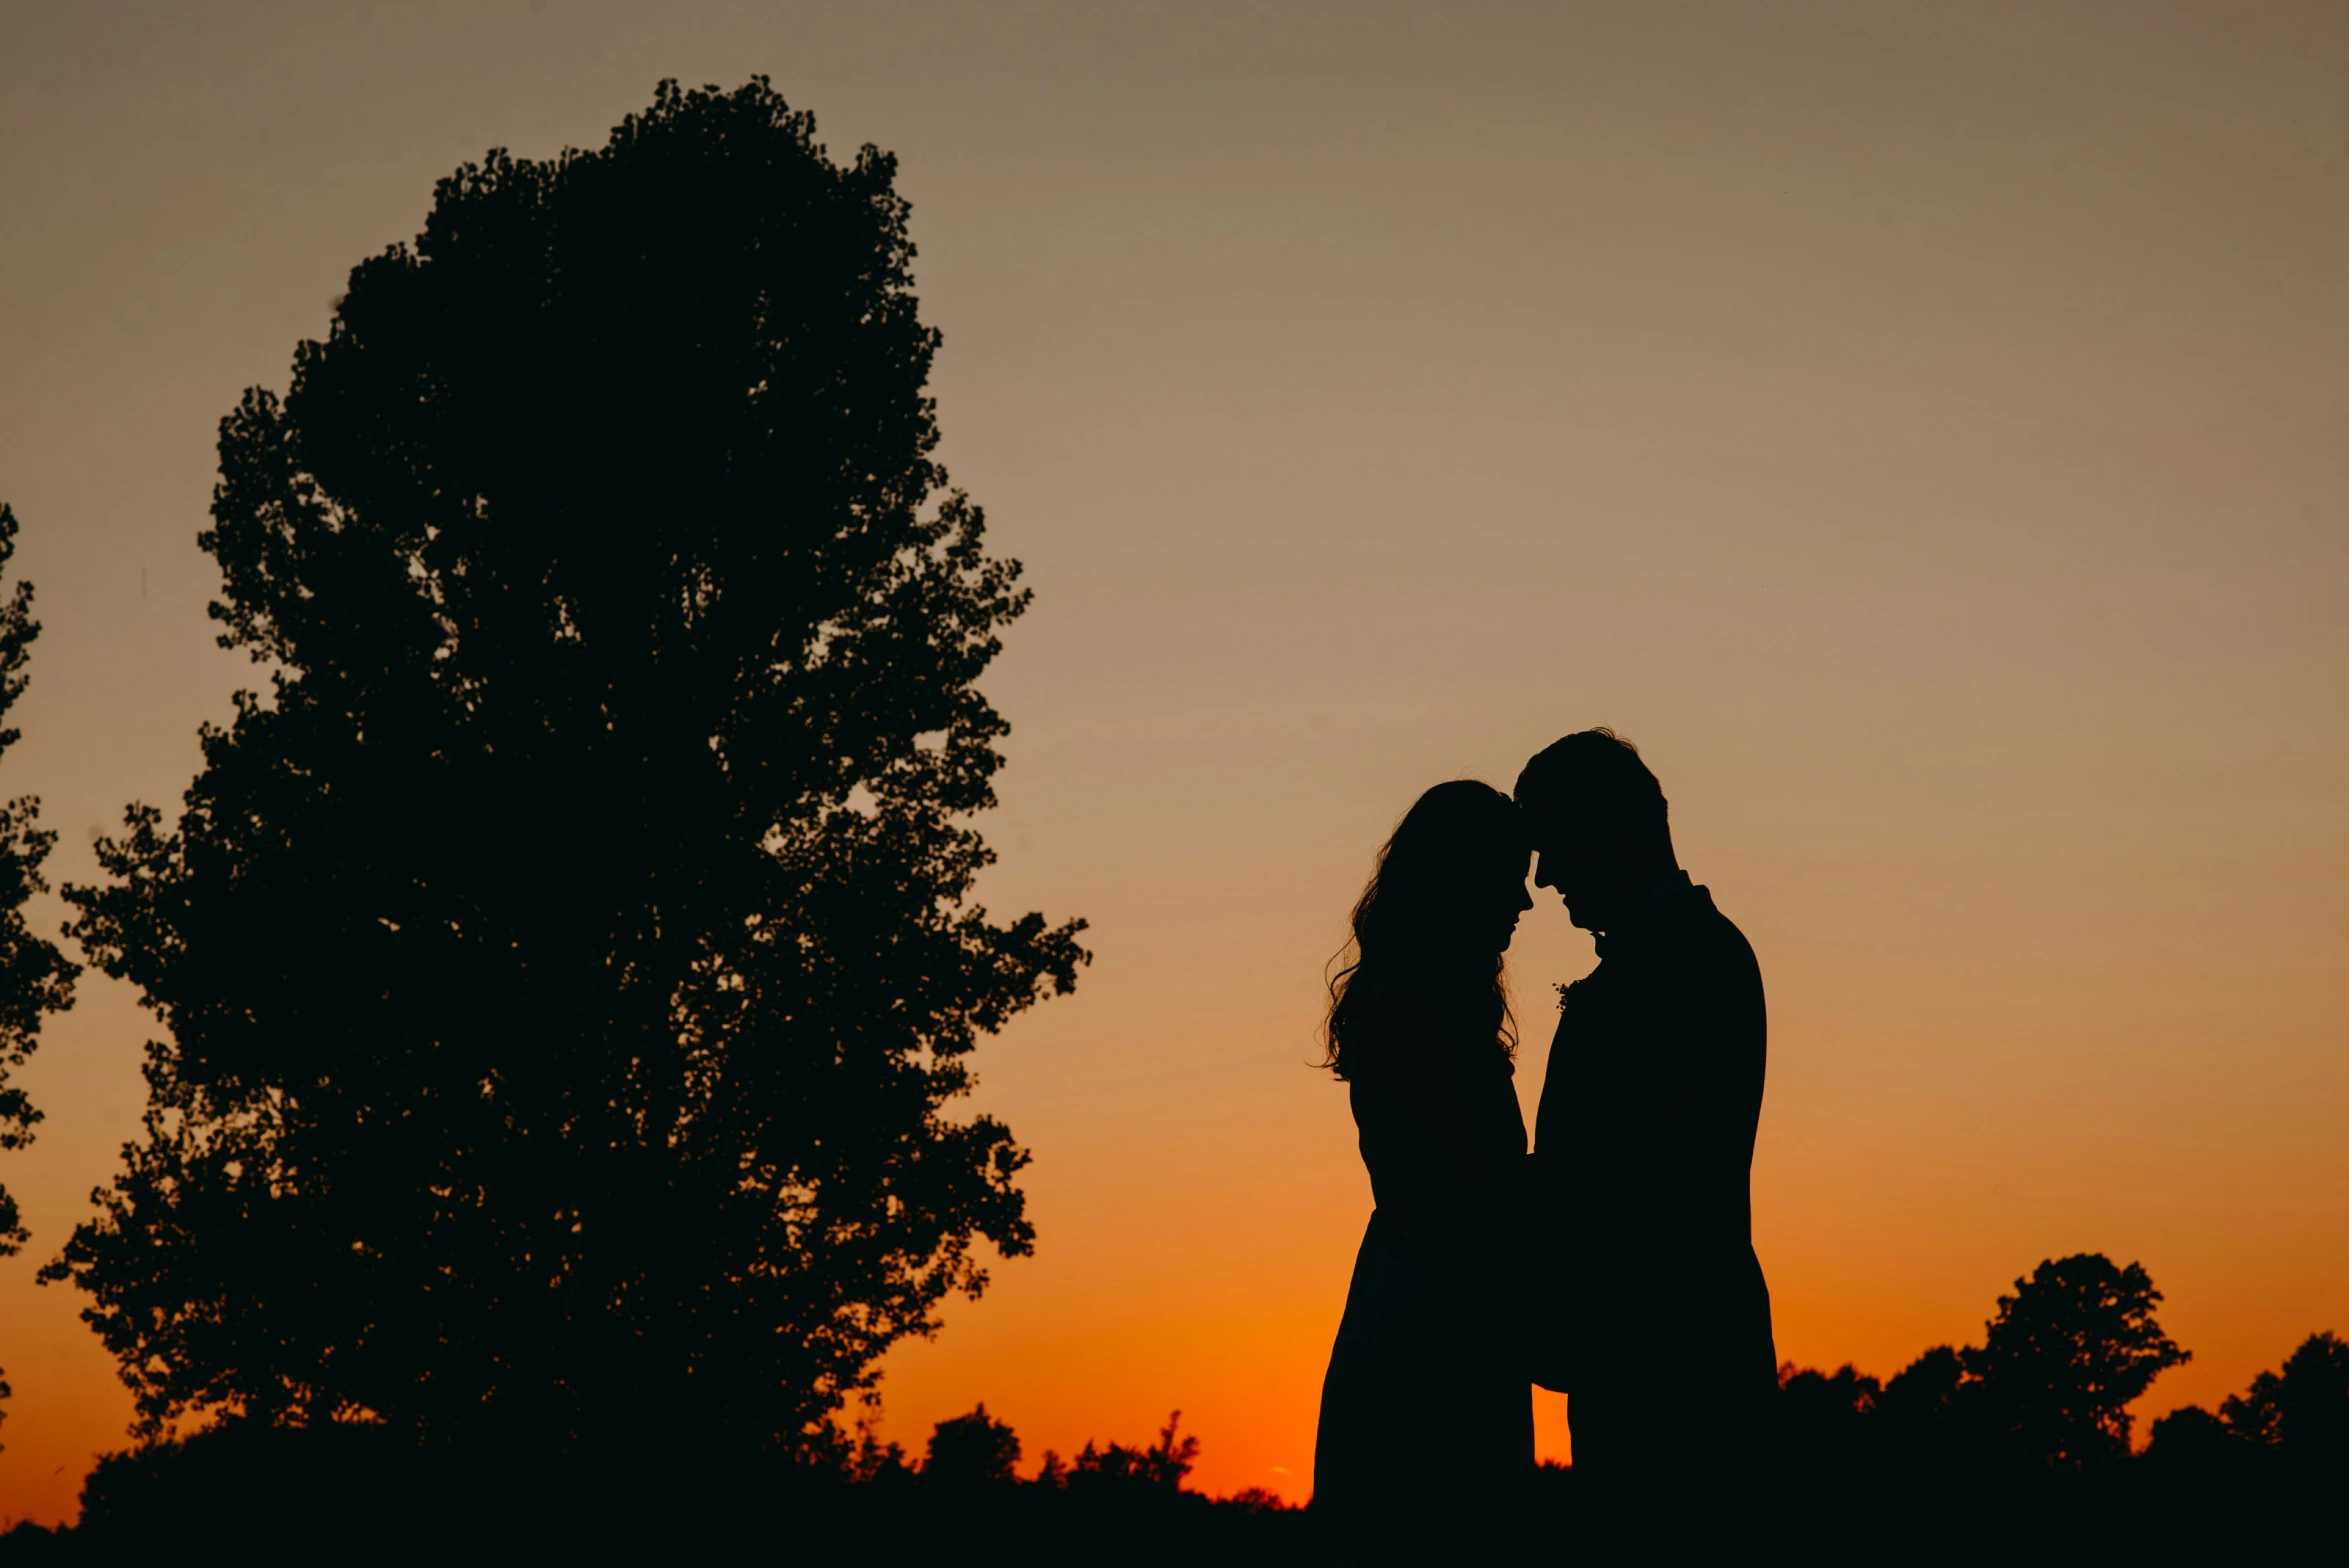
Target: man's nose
[[1541, 871]]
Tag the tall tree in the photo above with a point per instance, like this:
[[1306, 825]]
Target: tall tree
[[35, 978], [566, 965], [2065, 1356]]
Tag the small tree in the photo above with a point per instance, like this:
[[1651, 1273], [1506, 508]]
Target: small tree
[[876, 1462], [2190, 1437], [972, 1450], [1925, 1391], [1823, 1417], [2065, 1356], [565, 966]]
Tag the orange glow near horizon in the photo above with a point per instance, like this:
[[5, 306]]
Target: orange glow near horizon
[[1920, 433]]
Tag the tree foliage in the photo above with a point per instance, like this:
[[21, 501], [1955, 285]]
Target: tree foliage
[[1824, 1417], [2299, 1412], [36, 979], [972, 1450], [565, 965], [1163, 1464], [2065, 1356]]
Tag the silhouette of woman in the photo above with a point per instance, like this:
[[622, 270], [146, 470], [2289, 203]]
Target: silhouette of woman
[[1426, 1438]]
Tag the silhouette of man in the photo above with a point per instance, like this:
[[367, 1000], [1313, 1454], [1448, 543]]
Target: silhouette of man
[[1651, 1313]]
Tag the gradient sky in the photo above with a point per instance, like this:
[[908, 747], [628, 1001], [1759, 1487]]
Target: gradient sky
[[1924, 429]]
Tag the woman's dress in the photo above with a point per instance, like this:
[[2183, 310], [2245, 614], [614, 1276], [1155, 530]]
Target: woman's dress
[[1425, 1445]]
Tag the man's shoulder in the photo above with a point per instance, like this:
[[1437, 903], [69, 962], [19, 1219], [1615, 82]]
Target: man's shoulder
[[1717, 926], [1700, 934]]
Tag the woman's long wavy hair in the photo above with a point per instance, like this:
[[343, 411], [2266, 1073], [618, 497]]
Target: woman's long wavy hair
[[1420, 917]]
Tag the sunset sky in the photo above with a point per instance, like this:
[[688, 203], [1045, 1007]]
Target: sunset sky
[[1924, 429]]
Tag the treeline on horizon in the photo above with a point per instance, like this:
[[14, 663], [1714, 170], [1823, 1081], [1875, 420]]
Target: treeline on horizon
[[2050, 1386], [564, 961], [962, 1496], [2020, 1445]]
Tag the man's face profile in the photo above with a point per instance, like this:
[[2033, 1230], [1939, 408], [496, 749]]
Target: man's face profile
[[1563, 857], [1590, 854]]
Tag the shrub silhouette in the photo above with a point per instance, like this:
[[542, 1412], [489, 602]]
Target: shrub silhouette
[[1924, 1411], [1824, 1417], [1164, 1464], [875, 1461], [972, 1450], [2191, 1437], [565, 965]]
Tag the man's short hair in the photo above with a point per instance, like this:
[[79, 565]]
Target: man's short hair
[[1594, 773]]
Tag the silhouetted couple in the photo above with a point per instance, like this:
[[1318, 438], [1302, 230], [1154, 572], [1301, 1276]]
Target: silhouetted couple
[[1614, 1262]]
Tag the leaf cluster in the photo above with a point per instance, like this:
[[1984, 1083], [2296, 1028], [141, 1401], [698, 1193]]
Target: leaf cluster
[[36, 978]]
